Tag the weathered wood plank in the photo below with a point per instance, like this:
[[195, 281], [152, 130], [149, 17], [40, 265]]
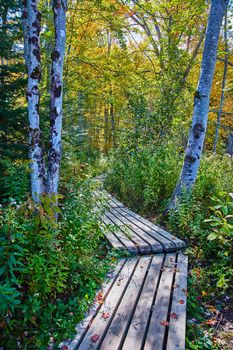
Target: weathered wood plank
[[123, 239], [142, 246], [178, 242], [137, 330], [103, 291], [164, 242], [156, 246], [177, 322], [115, 334], [100, 323], [115, 202], [156, 331]]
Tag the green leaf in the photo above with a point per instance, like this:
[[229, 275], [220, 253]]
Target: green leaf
[[212, 236]]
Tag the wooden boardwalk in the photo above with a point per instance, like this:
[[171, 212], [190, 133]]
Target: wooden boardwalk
[[127, 230], [142, 304]]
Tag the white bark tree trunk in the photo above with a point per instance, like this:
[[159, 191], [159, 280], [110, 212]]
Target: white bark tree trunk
[[201, 101], [25, 32], [33, 61], [54, 159], [224, 78]]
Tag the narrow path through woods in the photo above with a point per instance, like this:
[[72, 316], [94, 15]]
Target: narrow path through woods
[[142, 304]]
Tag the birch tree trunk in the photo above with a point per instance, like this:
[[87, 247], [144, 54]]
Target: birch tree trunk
[[54, 158], [201, 101], [224, 78], [33, 62], [25, 32]]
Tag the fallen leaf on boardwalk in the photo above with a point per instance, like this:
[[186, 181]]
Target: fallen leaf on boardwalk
[[95, 338], [174, 315], [99, 297], [181, 301], [185, 291], [175, 286], [164, 323], [175, 269], [105, 315]]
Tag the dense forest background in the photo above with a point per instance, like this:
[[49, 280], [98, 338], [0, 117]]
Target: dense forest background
[[130, 73]]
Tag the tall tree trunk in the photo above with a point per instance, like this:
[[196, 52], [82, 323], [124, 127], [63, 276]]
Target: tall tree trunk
[[33, 97], [106, 131], [81, 120], [113, 129], [54, 159], [112, 116], [224, 78], [201, 101], [25, 32]]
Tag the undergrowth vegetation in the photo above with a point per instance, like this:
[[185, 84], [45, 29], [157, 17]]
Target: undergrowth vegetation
[[49, 270]]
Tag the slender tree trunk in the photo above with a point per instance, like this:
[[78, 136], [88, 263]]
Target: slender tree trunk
[[113, 129], [224, 78], [106, 132], [25, 32], [54, 159], [33, 97], [81, 119], [201, 102], [112, 116]]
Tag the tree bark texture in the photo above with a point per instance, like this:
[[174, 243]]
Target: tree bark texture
[[33, 62], [54, 158], [224, 78], [201, 101]]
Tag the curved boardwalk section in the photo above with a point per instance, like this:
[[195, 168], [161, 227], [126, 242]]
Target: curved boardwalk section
[[142, 304], [127, 230]]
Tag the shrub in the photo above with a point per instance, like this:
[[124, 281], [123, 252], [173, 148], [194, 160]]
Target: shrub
[[144, 179], [14, 182]]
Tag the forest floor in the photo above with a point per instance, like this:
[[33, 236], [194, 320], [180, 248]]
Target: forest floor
[[224, 322]]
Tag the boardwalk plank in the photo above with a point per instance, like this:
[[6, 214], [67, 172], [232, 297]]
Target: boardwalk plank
[[177, 326], [104, 290], [156, 246], [179, 243], [139, 323], [156, 331], [123, 239], [100, 324], [166, 243], [142, 246], [117, 329]]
